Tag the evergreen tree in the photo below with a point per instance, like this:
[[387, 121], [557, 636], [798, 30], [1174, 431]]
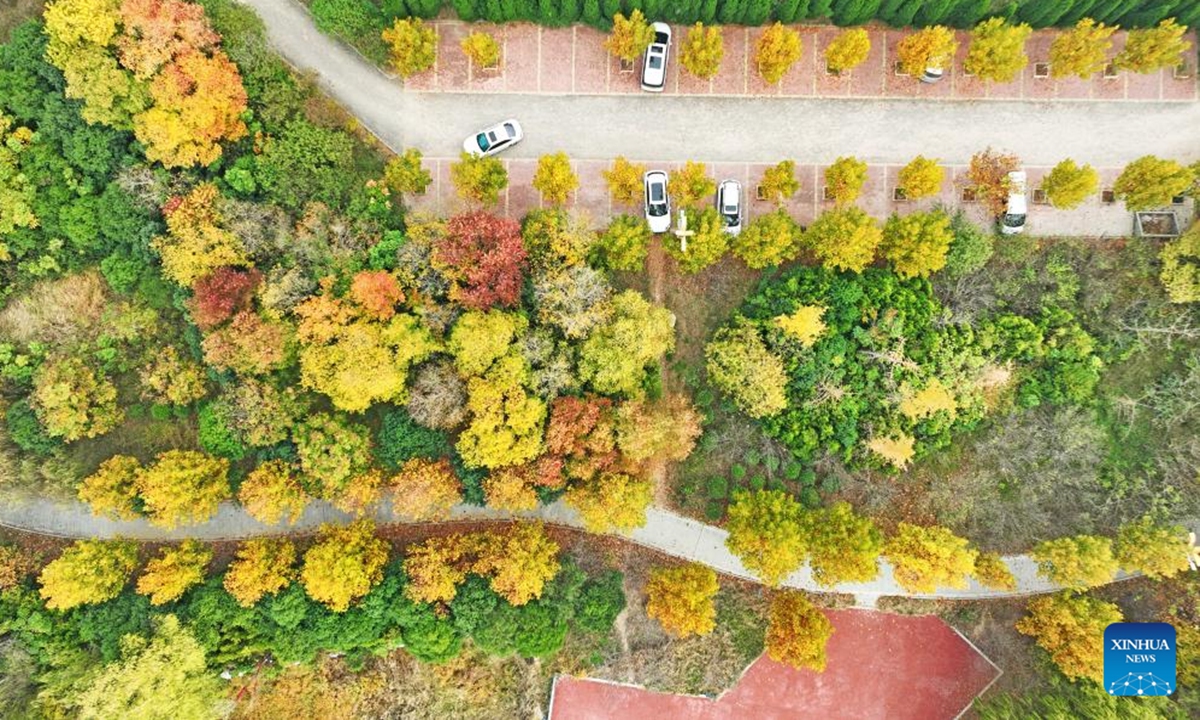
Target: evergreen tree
[[466, 10], [854, 12], [789, 11], [591, 14], [608, 9], [730, 12], [933, 12], [757, 12], [1078, 10], [968, 12], [708, 11]]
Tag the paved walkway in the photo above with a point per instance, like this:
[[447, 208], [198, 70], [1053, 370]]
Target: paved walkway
[[573, 61], [879, 666], [664, 531], [1093, 218]]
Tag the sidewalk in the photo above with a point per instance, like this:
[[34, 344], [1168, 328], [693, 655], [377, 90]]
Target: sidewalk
[[1094, 218], [573, 61]]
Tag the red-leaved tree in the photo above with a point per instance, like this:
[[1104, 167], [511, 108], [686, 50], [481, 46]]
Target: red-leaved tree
[[376, 292], [484, 258], [582, 432], [222, 293]]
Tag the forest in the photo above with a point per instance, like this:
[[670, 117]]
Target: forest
[[211, 295]]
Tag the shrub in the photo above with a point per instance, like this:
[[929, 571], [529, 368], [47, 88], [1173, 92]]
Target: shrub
[[600, 601], [970, 249], [217, 433], [400, 439], [350, 20], [26, 431]]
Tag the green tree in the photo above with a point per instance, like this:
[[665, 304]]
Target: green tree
[[690, 184], [87, 572], [770, 239], [1071, 629], [997, 51], [1152, 549], [921, 178], [165, 675], [703, 50], [630, 36], [1180, 274], [413, 46], [1150, 182], [555, 179], [767, 534], [1076, 562], [844, 180], [480, 179], [775, 52], [681, 599], [740, 365], [929, 47], [797, 631], [917, 244], [924, 558], [624, 244], [1067, 185], [405, 175], [175, 570], [1148, 50], [848, 50], [779, 183], [614, 357], [1082, 50], [624, 180], [706, 246], [344, 564], [844, 546], [845, 239]]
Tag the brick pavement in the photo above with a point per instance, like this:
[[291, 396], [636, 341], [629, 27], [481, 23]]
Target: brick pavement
[[1094, 217], [573, 61]]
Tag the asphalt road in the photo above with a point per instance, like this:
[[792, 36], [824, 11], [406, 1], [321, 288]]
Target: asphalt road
[[735, 129]]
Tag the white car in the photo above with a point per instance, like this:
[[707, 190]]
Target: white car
[[654, 65], [932, 75], [495, 139], [658, 203], [1012, 222], [729, 204]]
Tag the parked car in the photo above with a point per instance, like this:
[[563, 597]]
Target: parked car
[[932, 75], [1012, 222], [658, 203], [729, 204], [495, 139], [654, 65]]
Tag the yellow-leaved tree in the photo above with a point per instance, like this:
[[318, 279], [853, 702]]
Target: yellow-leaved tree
[[112, 489], [175, 570], [87, 572], [767, 534], [263, 566], [681, 598], [797, 632], [805, 324], [425, 489], [611, 501], [183, 486], [1071, 629], [519, 562], [925, 557], [344, 564], [272, 492]]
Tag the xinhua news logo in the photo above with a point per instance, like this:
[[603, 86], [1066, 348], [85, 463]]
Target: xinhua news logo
[[1139, 659]]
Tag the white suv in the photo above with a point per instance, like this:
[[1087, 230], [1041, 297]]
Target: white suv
[[658, 203], [729, 204], [654, 66], [1012, 222]]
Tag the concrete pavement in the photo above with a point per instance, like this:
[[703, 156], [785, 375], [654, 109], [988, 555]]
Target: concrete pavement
[[664, 531]]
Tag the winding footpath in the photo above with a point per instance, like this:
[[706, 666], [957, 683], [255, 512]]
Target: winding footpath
[[664, 531]]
